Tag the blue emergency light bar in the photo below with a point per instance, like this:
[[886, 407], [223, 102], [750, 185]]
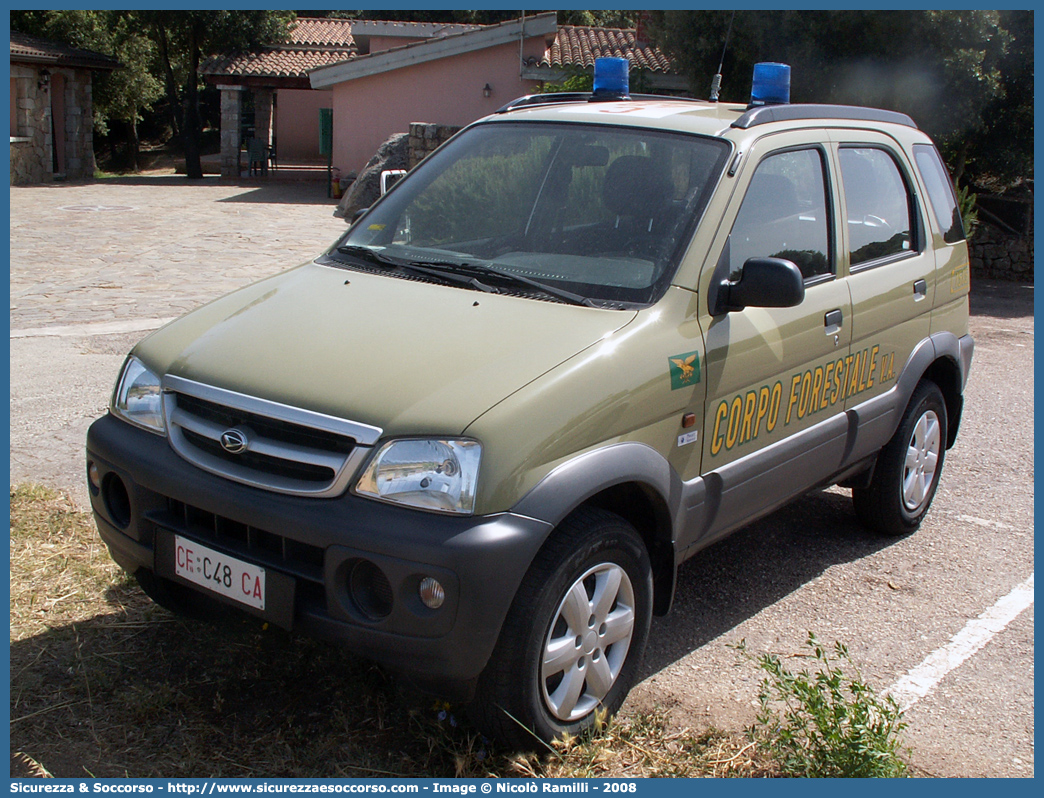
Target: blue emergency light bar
[[771, 84], [610, 79]]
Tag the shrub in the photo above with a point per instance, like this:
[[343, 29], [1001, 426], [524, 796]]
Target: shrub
[[967, 201], [826, 723]]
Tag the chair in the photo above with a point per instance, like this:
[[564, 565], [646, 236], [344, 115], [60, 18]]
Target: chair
[[637, 190], [272, 154], [257, 156]]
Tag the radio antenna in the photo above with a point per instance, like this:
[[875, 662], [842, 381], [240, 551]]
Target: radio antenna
[[716, 82]]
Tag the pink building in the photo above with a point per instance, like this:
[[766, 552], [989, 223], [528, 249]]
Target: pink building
[[378, 76], [447, 80]]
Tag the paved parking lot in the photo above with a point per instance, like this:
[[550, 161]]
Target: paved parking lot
[[96, 266]]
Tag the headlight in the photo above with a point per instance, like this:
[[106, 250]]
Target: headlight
[[137, 397], [431, 474]]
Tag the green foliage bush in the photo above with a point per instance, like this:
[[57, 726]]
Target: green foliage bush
[[826, 723], [967, 202], [481, 196]]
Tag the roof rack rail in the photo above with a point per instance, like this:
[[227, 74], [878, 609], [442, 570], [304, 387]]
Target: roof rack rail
[[764, 114], [581, 97], [546, 99]]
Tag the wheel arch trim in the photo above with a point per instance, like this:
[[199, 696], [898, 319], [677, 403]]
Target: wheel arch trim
[[596, 473]]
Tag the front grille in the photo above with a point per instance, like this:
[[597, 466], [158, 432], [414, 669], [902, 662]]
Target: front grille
[[252, 544], [272, 466], [281, 448], [272, 428]]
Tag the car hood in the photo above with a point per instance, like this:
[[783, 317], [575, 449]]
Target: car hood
[[408, 357]]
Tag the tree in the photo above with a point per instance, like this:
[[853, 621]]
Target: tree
[[1003, 147], [183, 37], [946, 69]]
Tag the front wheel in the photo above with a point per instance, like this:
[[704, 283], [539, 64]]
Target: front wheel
[[908, 467], [574, 637]]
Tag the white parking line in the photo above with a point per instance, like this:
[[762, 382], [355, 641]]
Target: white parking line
[[97, 328], [971, 519], [976, 633]]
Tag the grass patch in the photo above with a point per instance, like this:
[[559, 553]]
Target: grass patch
[[60, 569], [106, 683]]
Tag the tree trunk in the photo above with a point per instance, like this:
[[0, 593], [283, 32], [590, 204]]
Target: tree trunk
[[958, 166], [168, 79], [135, 148], [192, 133]]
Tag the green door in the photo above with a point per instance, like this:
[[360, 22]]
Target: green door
[[326, 131]]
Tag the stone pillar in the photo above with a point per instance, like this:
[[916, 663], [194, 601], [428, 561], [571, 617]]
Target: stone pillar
[[87, 104], [76, 126], [231, 117], [263, 115]]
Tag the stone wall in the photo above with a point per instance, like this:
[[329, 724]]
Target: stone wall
[[997, 255], [31, 138], [31, 141], [425, 138]]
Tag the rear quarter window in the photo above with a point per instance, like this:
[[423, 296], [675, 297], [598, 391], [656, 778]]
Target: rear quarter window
[[941, 195]]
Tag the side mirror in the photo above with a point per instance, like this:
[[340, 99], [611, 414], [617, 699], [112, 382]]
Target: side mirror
[[358, 214], [763, 283], [389, 177]]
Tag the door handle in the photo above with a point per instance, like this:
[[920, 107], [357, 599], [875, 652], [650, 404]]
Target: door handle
[[832, 321], [920, 288]]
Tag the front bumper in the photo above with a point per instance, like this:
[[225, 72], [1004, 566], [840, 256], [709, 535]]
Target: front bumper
[[314, 546]]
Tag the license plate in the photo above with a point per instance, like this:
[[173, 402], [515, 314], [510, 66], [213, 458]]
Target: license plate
[[232, 578]]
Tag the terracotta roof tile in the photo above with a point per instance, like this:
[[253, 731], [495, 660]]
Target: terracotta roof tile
[[579, 46], [322, 32], [283, 62], [313, 43], [318, 42], [31, 48]]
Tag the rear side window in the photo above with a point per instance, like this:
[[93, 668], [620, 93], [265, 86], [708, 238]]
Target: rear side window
[[940, 192], [784, 214], [878, 204]]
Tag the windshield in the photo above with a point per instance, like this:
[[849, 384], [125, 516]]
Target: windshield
[[599, 213]]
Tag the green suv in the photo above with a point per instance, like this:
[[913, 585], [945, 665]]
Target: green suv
[[579, 343]]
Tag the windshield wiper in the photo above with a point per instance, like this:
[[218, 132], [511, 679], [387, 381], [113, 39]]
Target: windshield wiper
[[415, 267], [488, 269], [456, 272]]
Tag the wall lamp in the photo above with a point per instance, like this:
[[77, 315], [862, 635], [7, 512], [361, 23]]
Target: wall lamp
[[487, 90], [44, 81]]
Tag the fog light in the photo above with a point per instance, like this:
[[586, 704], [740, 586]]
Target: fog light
[[94, 475], [432, 593], [117, 501], [370, 591]]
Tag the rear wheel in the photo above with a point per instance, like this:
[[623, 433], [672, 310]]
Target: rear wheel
[[908, 468], [574, 638]]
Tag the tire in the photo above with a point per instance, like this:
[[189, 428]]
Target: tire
[[908, 467], [563, 653]]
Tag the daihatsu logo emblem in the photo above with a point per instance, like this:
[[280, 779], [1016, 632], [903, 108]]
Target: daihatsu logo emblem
[[234, 441]]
